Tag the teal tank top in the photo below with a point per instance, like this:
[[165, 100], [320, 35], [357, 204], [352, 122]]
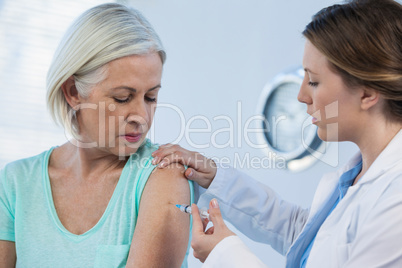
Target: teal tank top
[[28, 216]]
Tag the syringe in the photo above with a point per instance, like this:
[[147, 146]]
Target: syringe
[[187, 209]]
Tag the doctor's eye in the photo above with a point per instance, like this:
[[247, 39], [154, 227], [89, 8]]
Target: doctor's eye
[[313, 84], [150, 99]]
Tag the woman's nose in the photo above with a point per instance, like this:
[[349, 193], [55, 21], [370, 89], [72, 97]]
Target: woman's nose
[[138, 113]]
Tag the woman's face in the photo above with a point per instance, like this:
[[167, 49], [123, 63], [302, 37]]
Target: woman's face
[[119, 111], [334, 107]]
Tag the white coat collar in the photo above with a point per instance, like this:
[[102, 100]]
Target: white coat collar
[[328, 183], [389, 157]]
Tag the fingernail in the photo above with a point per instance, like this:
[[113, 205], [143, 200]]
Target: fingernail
[[214, 203], [191, 173], [154, 161], [161, 164]]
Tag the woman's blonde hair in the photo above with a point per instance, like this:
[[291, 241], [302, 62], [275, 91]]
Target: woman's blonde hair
[[100, 35], [362, 41]]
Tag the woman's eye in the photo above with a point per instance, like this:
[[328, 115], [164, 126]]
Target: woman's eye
[[118, 100], [313, 84]]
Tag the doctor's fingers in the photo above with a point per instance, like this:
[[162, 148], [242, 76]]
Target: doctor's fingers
[[198, 224], [198, 242], [200, 169], [172, 153], [210, 230], [215, 216], [197, 219]]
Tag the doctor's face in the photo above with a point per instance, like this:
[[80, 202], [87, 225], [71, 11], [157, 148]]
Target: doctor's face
[[333, 106]]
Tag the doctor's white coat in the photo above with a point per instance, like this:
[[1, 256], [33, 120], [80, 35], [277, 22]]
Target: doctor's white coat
[[364, 230]]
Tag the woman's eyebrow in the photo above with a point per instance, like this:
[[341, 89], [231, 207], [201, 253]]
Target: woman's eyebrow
[[133, 89]]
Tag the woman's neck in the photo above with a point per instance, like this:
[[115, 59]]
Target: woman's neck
[[86, 164]]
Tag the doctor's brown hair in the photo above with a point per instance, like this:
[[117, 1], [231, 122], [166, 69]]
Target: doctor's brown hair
[[362, 41]]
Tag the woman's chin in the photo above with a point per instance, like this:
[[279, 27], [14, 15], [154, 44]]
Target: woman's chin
[[125, 150]]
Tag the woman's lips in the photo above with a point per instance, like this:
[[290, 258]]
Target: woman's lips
[[132, 137]]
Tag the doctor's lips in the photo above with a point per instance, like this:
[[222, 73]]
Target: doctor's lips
[[132, 137], [314, 120], [315, 117]]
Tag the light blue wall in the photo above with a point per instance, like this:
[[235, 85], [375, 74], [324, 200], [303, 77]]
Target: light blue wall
[[223, 52]]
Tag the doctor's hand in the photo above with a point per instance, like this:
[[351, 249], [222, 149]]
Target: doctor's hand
[[203, 242], [200, 169]]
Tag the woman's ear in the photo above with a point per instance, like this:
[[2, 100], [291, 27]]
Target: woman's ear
[[70, 92], [369, 98]]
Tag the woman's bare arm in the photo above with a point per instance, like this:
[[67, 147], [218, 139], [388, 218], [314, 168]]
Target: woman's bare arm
[[8, 256], [162, 232]]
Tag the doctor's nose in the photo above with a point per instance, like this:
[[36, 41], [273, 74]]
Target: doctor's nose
[[304, 96]]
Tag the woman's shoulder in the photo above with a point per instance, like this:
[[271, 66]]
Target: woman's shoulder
[[27, 162], [23, 172], [25, 167]]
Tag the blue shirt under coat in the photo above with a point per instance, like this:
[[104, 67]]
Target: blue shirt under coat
[[345, 181]]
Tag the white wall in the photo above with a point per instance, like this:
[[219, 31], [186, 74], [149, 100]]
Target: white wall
[[223, 52]]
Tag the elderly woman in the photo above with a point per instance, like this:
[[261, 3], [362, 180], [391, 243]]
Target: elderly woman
[[352, 58], [91, 202]]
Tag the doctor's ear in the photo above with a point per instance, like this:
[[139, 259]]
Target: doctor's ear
[[71, 92], [369, 98]]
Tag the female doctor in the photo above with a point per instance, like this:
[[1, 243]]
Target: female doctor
[[352, 56]]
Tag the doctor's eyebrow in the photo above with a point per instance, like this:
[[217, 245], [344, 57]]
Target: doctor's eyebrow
[[309, 71]]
